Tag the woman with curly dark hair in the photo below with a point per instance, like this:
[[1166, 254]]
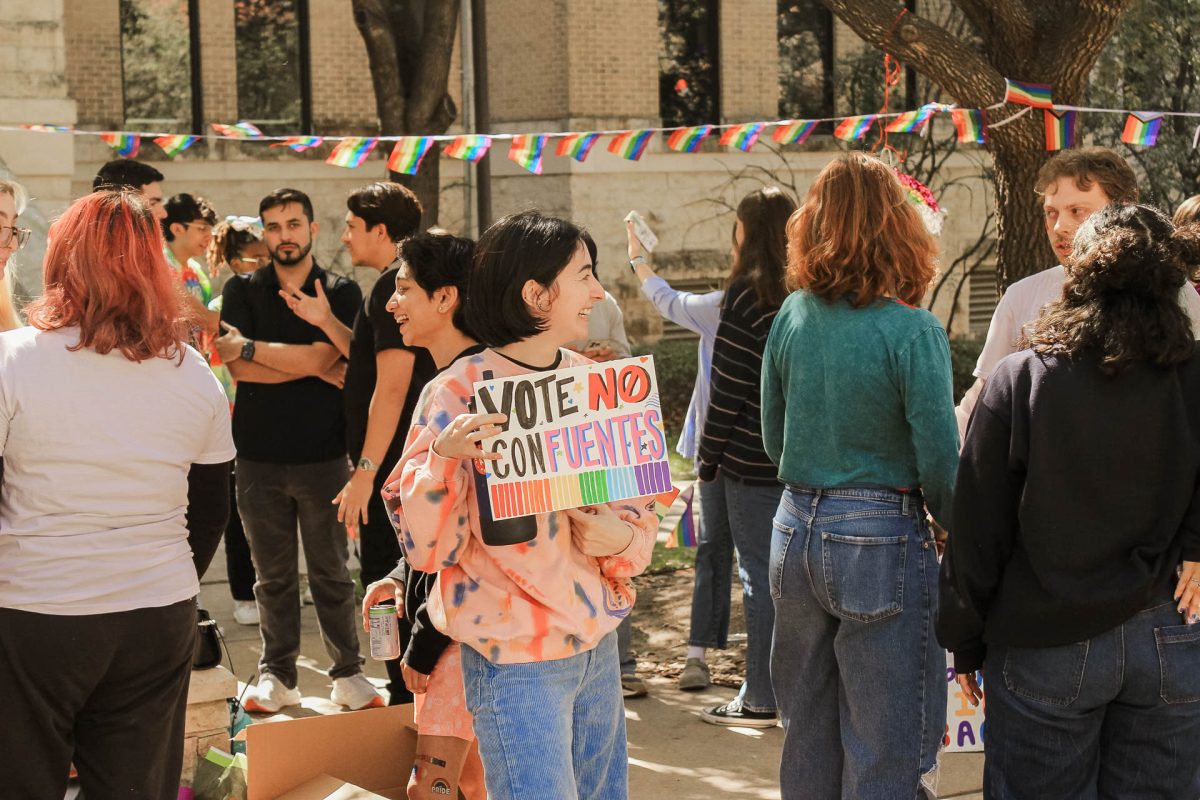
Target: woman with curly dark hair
[[1076, 531]]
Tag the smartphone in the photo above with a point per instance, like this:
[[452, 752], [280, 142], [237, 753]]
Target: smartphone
[[642, 231]]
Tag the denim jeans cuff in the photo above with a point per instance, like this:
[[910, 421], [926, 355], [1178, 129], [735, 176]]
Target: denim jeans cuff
[[760, 709]]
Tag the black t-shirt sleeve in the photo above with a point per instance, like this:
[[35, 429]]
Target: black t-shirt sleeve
[[345, 298], [235, 306], [384, 327]]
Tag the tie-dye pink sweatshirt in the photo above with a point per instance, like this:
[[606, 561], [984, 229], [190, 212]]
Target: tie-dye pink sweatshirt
[[537, 601]]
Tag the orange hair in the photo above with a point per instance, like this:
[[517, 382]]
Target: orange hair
[[857, 234], [105, 274]]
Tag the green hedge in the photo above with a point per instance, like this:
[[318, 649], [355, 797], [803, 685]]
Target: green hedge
[[963, 355]]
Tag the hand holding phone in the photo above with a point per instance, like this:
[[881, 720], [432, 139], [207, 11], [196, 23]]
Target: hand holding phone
[[642, 231]]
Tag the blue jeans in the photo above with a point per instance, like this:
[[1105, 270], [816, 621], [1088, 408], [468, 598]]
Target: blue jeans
[[859, 676], [550, 729], [714, 569], [1116, 716]]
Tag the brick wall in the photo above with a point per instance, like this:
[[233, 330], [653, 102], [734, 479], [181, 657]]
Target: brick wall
[[92, 30], [343, 99], [527, 59], [612, 50], [749, 53], [218, 61]]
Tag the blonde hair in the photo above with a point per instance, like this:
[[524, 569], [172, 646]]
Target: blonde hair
[[9, 319]]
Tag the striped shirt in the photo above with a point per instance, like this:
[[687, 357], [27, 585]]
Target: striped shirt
[[732, 438]]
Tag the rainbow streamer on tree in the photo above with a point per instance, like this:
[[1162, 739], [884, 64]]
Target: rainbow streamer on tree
[[793, 131], [1142, 130], [630, 144], [577, 145], [407, 154], [468, 147], [688, 140], [174, 145], [126, 144], [351, 152], [239, 130], [526, 150], [910, 121], [1060, 129], [684, 532], [970, 124], [300, 143], [1038, 95], [741, 136], [854, 128]]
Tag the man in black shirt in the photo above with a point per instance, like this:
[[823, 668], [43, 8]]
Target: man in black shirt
[[289, 429], [384, 379]]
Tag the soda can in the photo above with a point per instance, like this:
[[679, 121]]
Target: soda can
[[385, 633]]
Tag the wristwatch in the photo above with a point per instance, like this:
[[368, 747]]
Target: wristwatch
[[248, 351], [633, 263], [367, 465]]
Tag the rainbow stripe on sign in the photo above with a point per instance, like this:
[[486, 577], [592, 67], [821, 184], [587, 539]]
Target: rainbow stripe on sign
[[910, 121], [1142, 130], [174, 145], [521, 498], [741, 136], [126, 144], [577, 145], [794, 132], [854, 128], [1060, 129], [300, 143], [526, 150], [470, 147], [688, 140], [630, 145], [407, 154], [239, 130], [1038, 95], [349, 153], [970, 124]]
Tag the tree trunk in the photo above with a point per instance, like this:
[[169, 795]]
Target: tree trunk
[[1022, 247]]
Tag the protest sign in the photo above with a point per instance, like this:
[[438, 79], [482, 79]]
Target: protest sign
[[575, 437], [964, 722]]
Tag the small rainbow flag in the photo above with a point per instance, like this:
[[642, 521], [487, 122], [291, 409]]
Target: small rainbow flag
[[407, 154], [970, 123], [174, 145], [48, 128], [1142, 130], [240, 130], [793, 131], [300, 143], [351, 152], [687, 140], [684, 533], [630, 144], [577, 145], [1060, 129], [910, 121], [741, 136], [1038, 95], [126, 144], [526, 150], [854, 128], [469, 147]]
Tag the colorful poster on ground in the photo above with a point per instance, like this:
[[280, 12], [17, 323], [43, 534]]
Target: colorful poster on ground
[[575, 437], [964, 722]]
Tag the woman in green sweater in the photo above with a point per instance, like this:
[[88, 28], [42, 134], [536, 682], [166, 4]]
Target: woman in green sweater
[[857, 411]]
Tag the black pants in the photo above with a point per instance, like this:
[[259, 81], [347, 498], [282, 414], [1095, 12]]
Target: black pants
[[238, 566], [105, 691], [379, 553]]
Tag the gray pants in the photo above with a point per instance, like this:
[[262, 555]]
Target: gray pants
[[272, 499]]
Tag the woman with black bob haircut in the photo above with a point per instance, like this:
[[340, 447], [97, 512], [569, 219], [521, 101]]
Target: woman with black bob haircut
[[1072, 575], [536, 617]]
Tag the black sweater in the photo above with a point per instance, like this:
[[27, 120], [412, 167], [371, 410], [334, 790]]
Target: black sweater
[[1077, 497]]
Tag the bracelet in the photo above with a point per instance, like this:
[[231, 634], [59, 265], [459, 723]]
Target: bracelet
[[635, 261]]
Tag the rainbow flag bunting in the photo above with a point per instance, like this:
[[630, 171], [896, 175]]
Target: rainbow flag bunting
[[970, 123], [1038, 95], [794, 131], [240, 130], [630, 144], [1142, 130], [910, 121], [126, 144], [526, 150], [351, 152], [854, 128], [469, 147], [577, 145], [300, 143], [741, 136], [48, 128], [687, 140], [174, 145], [1060, 129], [684, 533], [407, 154]]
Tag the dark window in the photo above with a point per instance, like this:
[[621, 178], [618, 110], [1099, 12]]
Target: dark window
[[272, 69], [805, 59], [159, 74], [688, 86]]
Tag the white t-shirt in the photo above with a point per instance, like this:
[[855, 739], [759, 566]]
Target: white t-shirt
[[1023, 303], [96, 452]]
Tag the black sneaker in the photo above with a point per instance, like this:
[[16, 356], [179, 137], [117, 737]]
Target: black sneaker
[[733, 714]]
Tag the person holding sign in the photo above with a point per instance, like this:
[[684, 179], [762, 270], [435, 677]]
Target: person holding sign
[[1073, 575], [536, 618], [858, 412]]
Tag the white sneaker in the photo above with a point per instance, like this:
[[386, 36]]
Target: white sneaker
[[355, 693], [270, 695], [245, 612]]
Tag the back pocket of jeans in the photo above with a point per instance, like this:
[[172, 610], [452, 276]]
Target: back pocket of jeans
[[864, 575], [1179, 662], [1050, 675]]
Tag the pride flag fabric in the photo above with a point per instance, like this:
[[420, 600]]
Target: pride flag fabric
[[1060, 129], [793, 131], [1142, 130], [468, 147], [684, 532], [351, 152], [910, 121], [125, 144], [970, 124], [854, 128], [577, 145], [741, 136], [688, 140], [240, 130], [407, 154], [300, 143], [1038, 95], [174, 145], [630, 144], [526, 150]]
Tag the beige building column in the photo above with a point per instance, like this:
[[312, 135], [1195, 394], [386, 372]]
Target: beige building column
[[749, 60], [218, 62]]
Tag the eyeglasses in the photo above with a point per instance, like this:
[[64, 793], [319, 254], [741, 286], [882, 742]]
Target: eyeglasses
[[255, 261], [9, 233]]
